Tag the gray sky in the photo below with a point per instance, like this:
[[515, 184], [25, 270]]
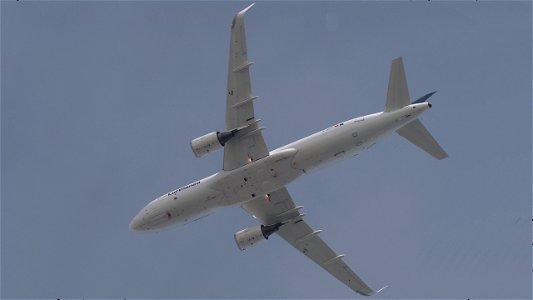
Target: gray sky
[[101, 99]]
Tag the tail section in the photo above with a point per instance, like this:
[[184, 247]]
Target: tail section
[[397, 94], [397, 98], [417, 134]]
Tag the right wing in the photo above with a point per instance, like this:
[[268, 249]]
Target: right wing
[[248, 144], [279, 207]]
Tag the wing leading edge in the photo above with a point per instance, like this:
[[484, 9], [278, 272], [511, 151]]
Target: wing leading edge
[[279, 207]]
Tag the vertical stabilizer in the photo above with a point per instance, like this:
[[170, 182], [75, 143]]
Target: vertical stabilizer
[[397, 94]]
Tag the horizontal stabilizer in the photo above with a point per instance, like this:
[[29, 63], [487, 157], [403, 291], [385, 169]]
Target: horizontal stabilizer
[[417, 134]]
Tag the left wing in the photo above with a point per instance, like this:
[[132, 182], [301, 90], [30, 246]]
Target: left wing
[[248, 144], [279, 207]]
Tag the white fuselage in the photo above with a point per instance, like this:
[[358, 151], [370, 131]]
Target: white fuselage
[[282, 166]]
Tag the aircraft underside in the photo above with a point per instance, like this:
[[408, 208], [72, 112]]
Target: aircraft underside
[[255, 178]]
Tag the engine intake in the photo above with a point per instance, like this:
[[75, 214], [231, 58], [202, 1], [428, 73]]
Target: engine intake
[[251, 236], [211, 142]]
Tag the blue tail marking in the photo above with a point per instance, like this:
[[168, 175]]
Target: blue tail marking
[[424, 98]]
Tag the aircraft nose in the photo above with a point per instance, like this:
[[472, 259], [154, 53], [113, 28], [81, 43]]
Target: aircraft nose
[[136, 224]]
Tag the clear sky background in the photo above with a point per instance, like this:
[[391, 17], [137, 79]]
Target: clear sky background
[[100, 101]]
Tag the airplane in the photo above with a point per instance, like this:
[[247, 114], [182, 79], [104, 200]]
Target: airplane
[[255, 178]]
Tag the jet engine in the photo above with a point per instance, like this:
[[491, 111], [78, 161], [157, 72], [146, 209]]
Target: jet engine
[[211, 142], [251, 236]]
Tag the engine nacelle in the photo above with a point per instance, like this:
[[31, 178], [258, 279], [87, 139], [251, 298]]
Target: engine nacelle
[[251, 236], [210, 142]]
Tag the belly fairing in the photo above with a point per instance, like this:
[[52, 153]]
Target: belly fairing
[[257, 178]]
